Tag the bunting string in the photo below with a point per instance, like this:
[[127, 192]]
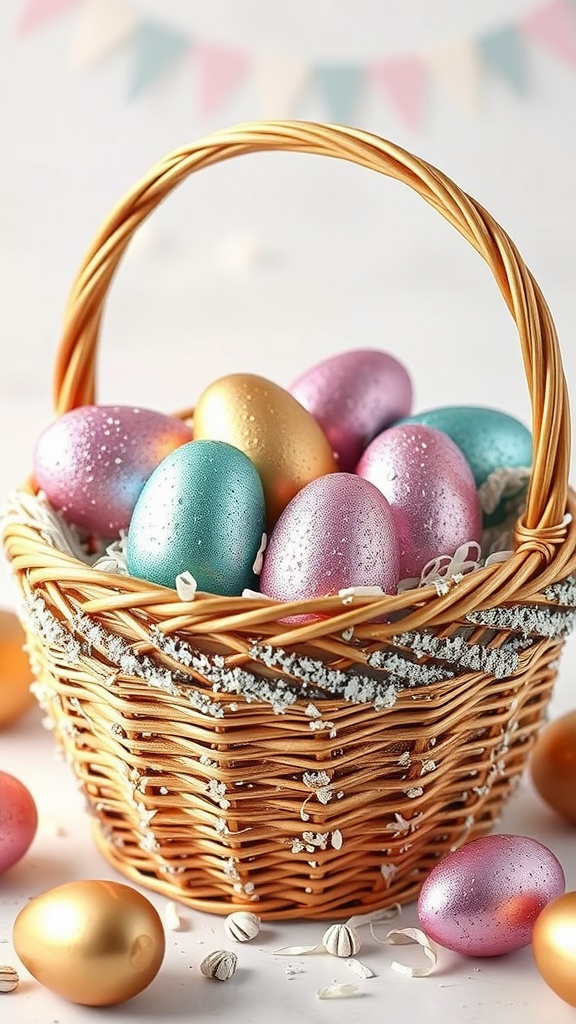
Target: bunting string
[[282, 83]]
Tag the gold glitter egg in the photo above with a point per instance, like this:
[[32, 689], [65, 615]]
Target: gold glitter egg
[[15, 673], [281, 438], [93, 942], [554, 946]]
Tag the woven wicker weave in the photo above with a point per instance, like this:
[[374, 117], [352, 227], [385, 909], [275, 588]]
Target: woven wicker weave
[[231, 760]]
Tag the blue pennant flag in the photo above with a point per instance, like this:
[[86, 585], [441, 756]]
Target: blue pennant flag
[[340, 87], [156, 49], [503, 52]]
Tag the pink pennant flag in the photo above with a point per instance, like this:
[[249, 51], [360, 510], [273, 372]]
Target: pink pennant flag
[[554, 25], [403, 80], [219, 72], [37, 12]]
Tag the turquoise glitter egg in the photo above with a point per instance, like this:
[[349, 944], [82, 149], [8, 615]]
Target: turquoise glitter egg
[[201, 511], [490, 440]]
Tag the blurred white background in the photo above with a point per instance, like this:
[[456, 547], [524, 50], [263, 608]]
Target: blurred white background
[[269, 263]]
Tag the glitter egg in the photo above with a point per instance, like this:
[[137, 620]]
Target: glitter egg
[[18, 820], [354, 396], [337, 532], [93, 461], [491, 441], [554, 946], [202, 512], [484, 898], [553, 765], [430, 488], [93, 942], [281, 438]]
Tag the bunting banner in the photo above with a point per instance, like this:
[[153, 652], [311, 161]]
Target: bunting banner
[[281, 84]]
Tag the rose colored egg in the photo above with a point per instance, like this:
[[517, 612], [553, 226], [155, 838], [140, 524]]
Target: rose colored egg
[[353, 396], [483, 899], [93, 461], [337, 532], [279, 436], [18, 820], [430, 488]]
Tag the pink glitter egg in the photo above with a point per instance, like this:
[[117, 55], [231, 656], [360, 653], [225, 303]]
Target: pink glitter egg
[[18, 820], [337, 532], [353, 396], [93, 461], [483, 899], [430, 488]]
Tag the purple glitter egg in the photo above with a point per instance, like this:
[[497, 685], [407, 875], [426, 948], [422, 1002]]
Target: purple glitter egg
[[483, 899], [353, 396], [337, 532], [430, 488], [93, 461]]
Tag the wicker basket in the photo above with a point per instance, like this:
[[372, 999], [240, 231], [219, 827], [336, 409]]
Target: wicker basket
[[230, 760]]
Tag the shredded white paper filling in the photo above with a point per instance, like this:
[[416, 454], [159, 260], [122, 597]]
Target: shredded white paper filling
[[409, 936], [337, 991]]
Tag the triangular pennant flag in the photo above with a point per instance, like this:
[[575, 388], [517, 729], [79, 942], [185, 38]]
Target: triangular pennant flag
[[403, 80], [38, 12], [456, 66], [502, 51], [340, 88], [554, 26], [156, 49], [219, 72], [279, 82], [103, 26]]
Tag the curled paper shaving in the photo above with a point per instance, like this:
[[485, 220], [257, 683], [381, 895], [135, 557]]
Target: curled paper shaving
[[408, 936], [172, 917], [385, 914], [298, 950], [259, 560], [337, 991], [186, 586], [503, 483]]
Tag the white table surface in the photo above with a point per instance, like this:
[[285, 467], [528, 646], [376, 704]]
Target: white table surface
[[501, 990]]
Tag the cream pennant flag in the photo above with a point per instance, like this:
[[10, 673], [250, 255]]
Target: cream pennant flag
[[103, 26], [403, 79], [38, 12], [553, 25], [279, 83], [220, 71], [457, 68]]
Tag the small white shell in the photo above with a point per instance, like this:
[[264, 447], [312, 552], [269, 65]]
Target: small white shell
[[341, 940], [242, 926], [220, 964], [9, 979]]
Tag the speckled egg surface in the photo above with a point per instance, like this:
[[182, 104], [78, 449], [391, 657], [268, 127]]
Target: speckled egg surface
[[337, 532], [430, 488], [483, 899], [490, 440], [93, 461], [201, 511], [354, 396]]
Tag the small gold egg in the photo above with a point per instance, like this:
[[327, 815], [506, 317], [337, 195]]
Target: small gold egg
[[554, 946], [15, 672], [281, 438], [553, 765], [93, 942]]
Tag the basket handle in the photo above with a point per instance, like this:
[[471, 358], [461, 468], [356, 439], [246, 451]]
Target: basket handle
[[542, 527]]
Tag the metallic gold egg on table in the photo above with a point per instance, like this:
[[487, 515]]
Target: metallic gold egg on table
[[553, 765], [15, 673], [554, 946], [93, 942], [262, 419]]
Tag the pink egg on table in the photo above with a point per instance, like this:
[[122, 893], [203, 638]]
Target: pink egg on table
[[430, 488], [353, 396], [18, 820], [483, 899], [93, 461], [337, 532]]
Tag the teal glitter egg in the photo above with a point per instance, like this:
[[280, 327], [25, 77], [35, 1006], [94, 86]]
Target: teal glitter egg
[[490, 440], [201, 511]]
